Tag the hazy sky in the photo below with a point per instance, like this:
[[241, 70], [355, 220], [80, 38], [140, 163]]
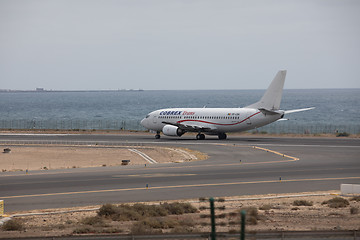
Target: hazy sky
[[179, 44]]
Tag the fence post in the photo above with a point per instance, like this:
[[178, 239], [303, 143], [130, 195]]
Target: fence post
[[212, 213], [242, 234]]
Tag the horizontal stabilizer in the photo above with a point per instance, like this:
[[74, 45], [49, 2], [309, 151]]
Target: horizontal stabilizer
[[282, 119], [298, 110], [270, 112]]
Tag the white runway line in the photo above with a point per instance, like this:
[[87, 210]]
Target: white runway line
[[143, 155], [184, 153]]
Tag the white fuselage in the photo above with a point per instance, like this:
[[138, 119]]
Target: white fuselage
[[219, 120]]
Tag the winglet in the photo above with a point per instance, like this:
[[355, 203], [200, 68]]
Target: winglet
[[272, 97]]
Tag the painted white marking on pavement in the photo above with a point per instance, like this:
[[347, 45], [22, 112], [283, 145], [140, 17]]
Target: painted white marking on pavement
[[143, 155]]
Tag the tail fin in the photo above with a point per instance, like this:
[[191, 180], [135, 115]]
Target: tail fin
[[272, 97]]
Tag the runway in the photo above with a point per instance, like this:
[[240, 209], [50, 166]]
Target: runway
[[234, 168]]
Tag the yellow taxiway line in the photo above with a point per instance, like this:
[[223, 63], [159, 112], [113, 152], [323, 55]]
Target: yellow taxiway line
[[278, 153]]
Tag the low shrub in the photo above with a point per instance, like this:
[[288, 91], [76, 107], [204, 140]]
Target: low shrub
[[233, 214], [126, 213], [138, 211], [337, 202], [265, 207], [222, 208], [154, 225], [107, 210], [356, 199], [177, 208], [83, 230], [354, 210], [94, 221], [110, 230], [140, 227], [13, 225], [189, 222], [342, 134], [69, 221], [252, 215], [302, 203], [222, 215]]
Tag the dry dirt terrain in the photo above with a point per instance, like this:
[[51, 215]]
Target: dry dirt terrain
[[22, 158], [263, 213]]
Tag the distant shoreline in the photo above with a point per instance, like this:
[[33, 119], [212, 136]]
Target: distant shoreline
[[142, 90], [56, 91]]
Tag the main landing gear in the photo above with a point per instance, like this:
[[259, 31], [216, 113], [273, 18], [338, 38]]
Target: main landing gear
[[222, 136], [157, 136], [200, 136]]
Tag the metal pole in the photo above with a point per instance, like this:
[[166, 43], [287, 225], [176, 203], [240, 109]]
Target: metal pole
[[242, 234], [212, 213]]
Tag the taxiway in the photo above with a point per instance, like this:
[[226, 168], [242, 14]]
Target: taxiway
[[234, 168]]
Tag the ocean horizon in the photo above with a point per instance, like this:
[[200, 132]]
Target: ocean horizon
[[335, 109]]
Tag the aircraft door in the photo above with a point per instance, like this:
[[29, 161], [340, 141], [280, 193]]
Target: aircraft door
[[154, 119]]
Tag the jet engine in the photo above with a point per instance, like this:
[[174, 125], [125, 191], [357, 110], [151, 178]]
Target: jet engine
[[170, 130]]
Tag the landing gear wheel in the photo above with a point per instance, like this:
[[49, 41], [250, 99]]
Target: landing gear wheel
[[222, 136], [200, 136], [157, 136]]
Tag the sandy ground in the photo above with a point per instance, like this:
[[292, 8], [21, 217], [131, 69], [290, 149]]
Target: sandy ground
[[280, 215], [22, 158]]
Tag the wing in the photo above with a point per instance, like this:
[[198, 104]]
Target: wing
[[191, 127]]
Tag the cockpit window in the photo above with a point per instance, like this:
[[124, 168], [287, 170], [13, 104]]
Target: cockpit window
[[147, 116]]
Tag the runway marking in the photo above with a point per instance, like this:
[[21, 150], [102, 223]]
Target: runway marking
[[155, 175], [179, 175], [180, 186], [144, 156]]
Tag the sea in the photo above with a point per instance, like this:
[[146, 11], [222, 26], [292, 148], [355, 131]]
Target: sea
[[336, 110]]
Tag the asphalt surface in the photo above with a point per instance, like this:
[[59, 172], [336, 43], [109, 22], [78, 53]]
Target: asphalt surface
[[234, 168]]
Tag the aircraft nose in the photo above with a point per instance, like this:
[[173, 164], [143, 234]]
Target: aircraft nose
[[143, 122]]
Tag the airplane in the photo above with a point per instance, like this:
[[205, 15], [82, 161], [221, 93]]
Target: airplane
[[219, 121]]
